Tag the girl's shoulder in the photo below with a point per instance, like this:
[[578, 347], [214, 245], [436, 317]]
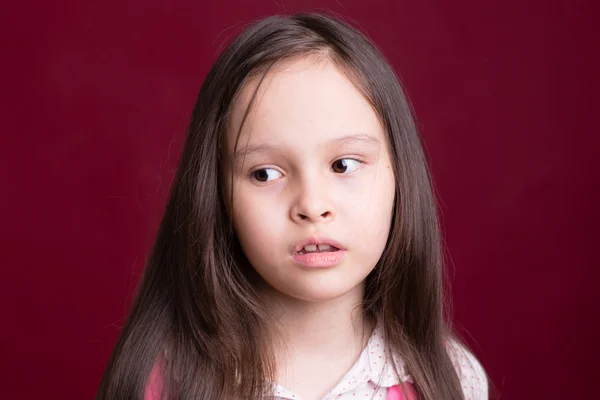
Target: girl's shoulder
[[473, 378]]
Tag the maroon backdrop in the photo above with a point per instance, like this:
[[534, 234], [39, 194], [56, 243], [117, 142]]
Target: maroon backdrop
[[96, 97]]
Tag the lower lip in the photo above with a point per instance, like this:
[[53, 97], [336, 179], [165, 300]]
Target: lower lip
[[320, 260]]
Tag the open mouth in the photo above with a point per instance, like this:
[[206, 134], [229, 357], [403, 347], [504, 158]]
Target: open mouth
[[317, 248], [319, 252]]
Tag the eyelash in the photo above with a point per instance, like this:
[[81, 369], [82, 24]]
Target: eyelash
[[357, 159]]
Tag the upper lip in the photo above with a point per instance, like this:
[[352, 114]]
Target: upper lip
[[318, 240]]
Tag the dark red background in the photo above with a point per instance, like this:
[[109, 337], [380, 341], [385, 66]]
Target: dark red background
[[96, 97]]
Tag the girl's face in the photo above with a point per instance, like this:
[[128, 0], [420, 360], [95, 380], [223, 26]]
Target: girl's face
[[313, 181]]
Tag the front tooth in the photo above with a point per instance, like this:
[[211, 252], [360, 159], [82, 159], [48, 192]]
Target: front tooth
[[323, 247], [310, 247]]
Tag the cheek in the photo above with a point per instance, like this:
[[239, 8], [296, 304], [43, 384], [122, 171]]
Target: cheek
[[386, 192], [370, 200], [377, 218], [257, 222]]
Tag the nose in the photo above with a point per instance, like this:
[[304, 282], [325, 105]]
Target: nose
[[312, 204]]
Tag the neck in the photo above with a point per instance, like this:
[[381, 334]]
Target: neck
[[326, 330]]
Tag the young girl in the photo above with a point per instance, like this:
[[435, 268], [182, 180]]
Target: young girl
[[299, 256]]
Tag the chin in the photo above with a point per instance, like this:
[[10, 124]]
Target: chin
[[322, 292]]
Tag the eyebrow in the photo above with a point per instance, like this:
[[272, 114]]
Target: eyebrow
[[263, 148], [359, 138]]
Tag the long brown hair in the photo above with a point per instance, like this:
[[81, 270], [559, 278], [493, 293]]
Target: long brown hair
[[197, 308]]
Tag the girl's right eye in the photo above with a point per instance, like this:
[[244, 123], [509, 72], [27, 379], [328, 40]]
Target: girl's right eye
[[266, 174]]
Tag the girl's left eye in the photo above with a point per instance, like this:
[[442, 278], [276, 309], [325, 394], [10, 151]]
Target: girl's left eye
[[345, 165]]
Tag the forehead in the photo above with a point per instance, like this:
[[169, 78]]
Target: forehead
[[304, 98]]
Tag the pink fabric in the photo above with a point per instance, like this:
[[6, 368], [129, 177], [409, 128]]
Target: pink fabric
[[396, 393], [154, 386]]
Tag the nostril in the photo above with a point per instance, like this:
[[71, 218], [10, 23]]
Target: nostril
[[315, 217]]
